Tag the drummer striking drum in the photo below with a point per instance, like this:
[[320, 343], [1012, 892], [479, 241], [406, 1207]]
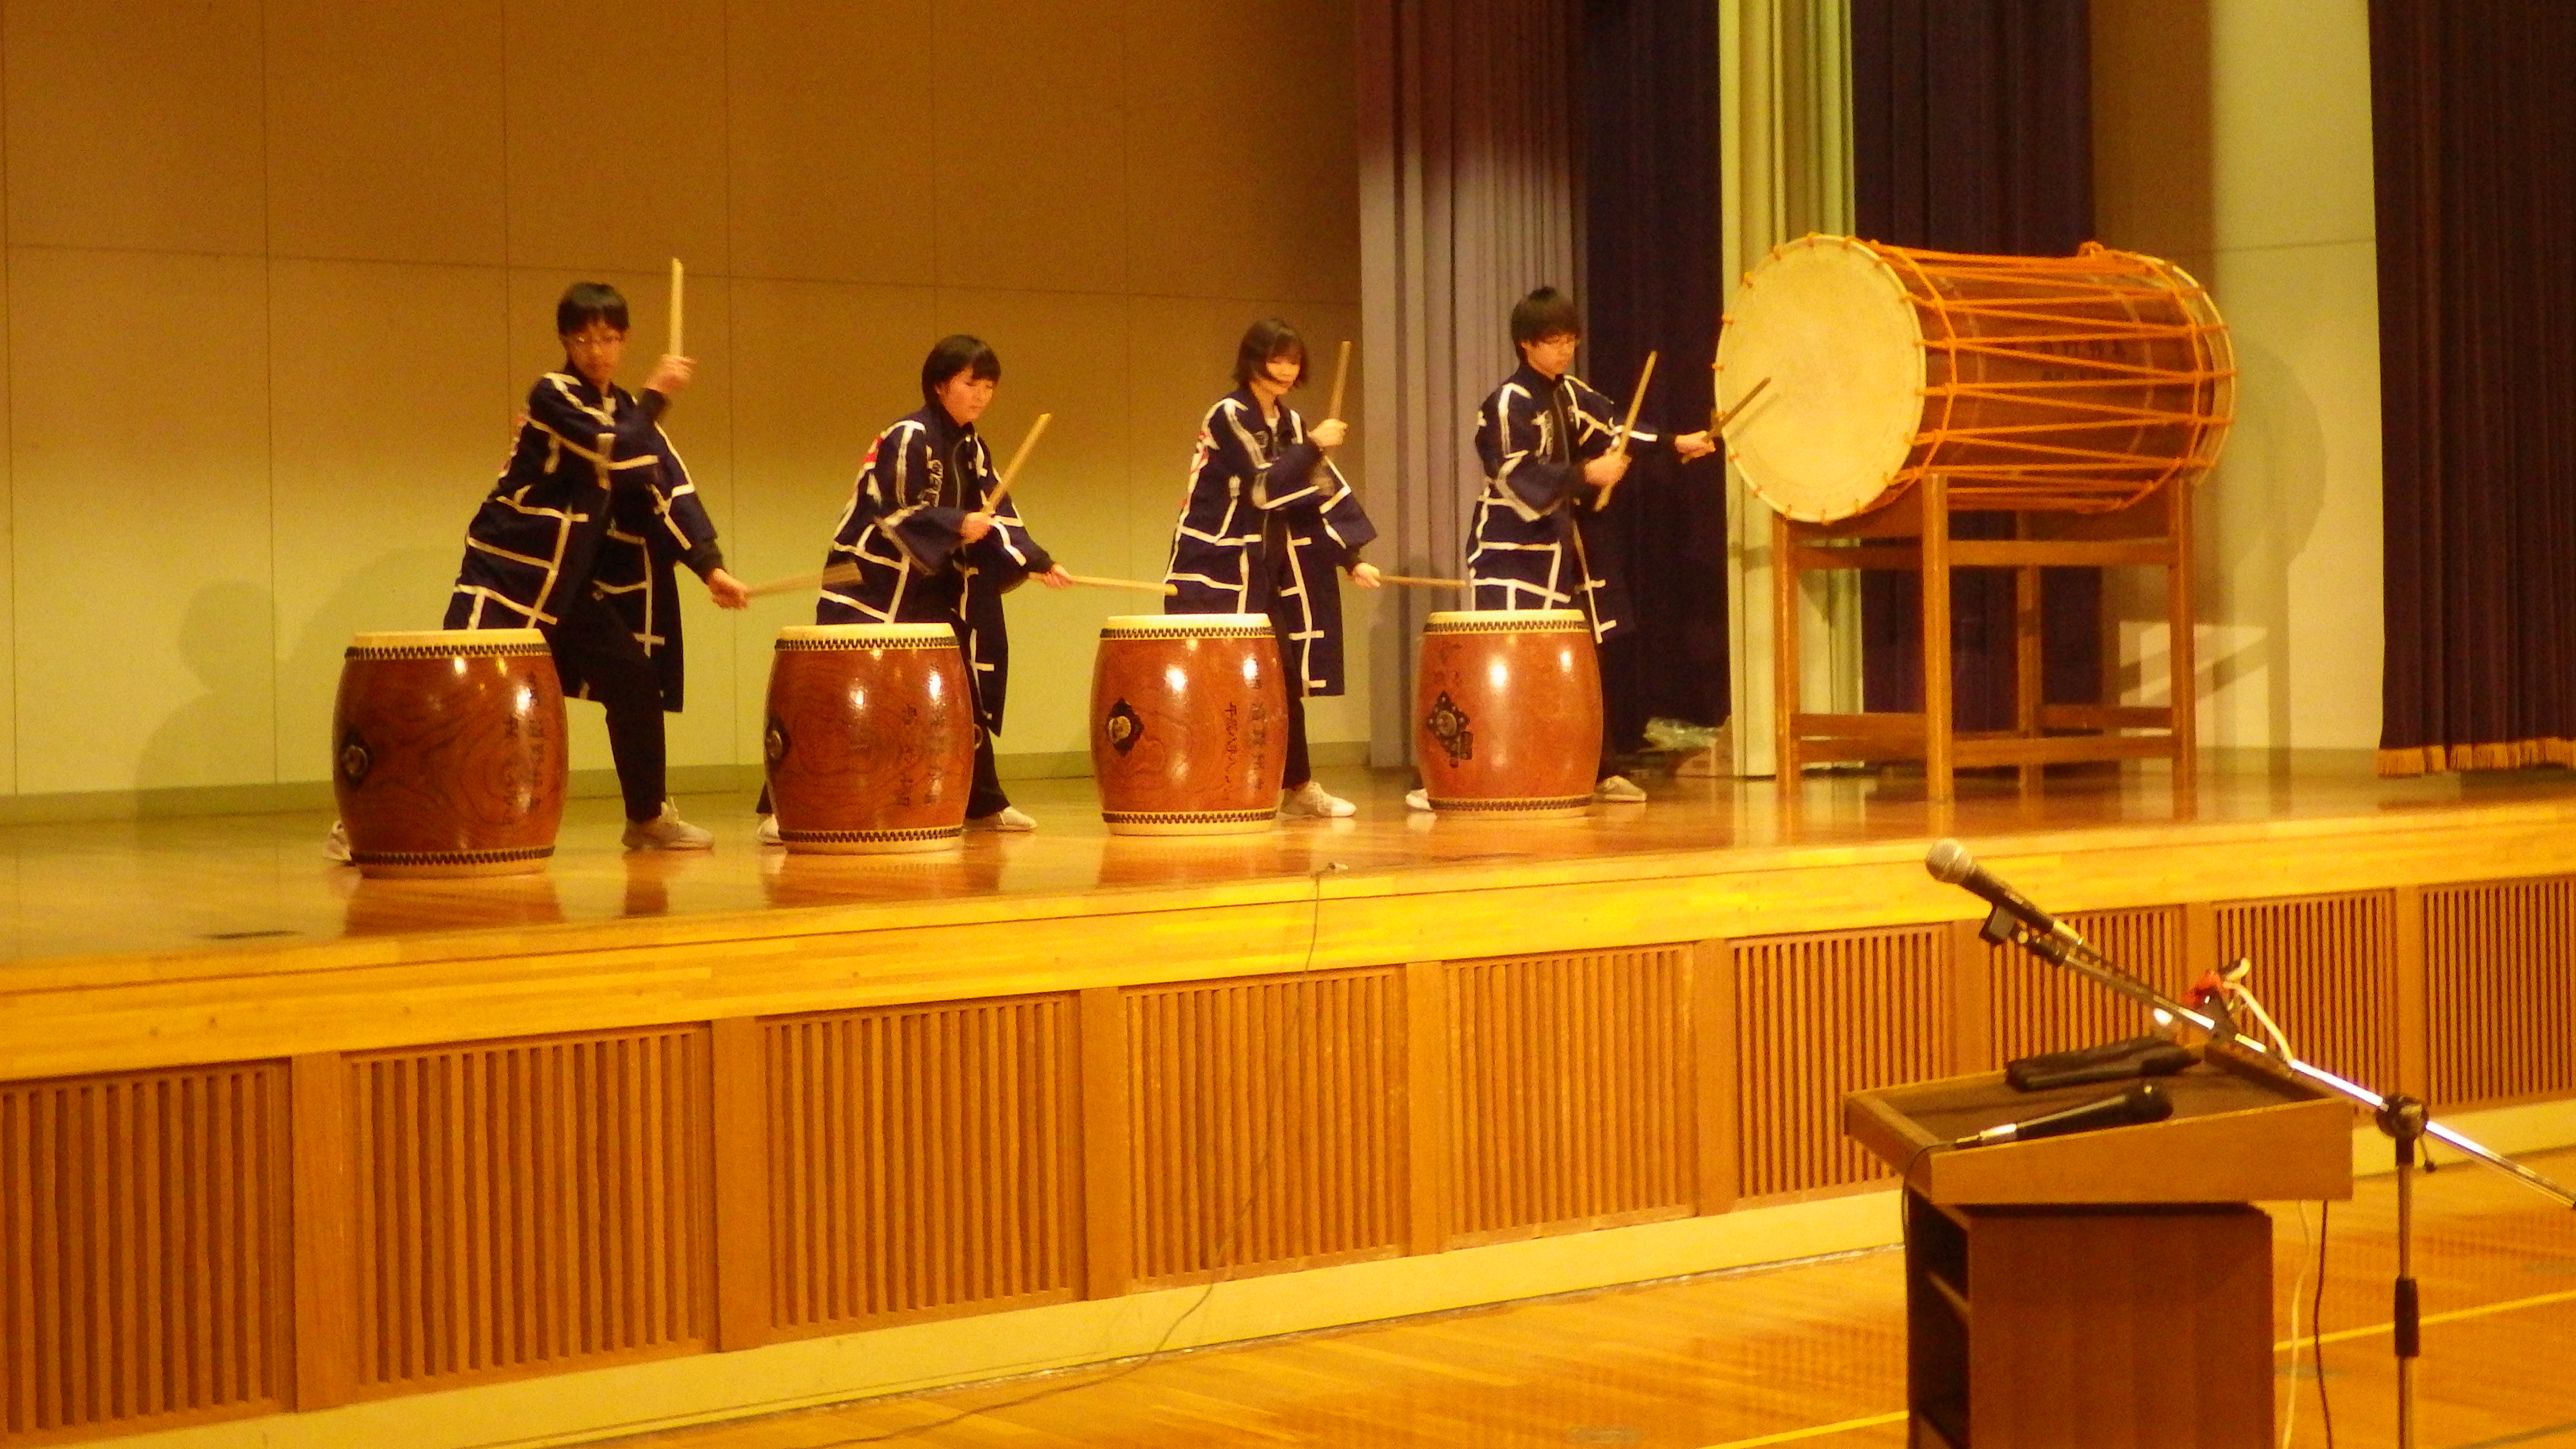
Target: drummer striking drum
[[1549, 444]]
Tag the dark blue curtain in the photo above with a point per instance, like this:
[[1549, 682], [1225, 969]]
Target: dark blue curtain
[[1972, 132], [1648, 112]]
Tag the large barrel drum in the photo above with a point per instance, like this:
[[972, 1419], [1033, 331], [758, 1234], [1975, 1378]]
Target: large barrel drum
[[871, 738], [2066, 384], [1189, 724], [449, 752], [1507, 712]]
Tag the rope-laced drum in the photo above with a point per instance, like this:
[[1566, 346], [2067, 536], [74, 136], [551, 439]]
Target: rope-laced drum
[[2072, 384]]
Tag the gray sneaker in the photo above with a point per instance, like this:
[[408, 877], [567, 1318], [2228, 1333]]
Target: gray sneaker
[[666, 831]]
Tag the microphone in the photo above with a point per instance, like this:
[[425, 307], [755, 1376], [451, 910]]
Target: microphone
[[1951, 864], [2145, 1102]]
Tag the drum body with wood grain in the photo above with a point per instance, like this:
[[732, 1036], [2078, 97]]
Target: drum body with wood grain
[[2061, 384], [449, 752], [870, 744], [1507, 712], [1189, 724]]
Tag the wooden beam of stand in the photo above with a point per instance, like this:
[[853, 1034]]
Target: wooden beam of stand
[[1011, 470], [679, 281], [1636, 402]]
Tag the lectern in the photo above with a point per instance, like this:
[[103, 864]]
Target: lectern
[[2104, 1290]]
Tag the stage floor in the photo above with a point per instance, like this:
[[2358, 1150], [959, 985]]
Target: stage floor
[[211, 884]]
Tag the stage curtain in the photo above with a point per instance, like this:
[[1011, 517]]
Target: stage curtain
[[1648, 125], [2474, 117], [1467, 201], [1784, 169], [1972, 132]]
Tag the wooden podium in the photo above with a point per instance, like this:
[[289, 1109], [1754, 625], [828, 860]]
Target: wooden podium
[[2103, 1290]]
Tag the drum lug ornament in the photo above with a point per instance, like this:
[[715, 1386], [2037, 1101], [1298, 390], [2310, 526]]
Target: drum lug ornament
[[355, 759], [773, 745], [1123, 727], [1448, 725]]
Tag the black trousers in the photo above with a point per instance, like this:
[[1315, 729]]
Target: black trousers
[[595, 644]]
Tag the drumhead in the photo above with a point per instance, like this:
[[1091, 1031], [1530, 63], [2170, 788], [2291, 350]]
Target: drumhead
[[1459, 621], [1828, 321], [865, 636], [427, 643], [1185, 626]]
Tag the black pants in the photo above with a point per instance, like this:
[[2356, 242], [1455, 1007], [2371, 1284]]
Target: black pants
[[1300, 769], [595, 644]]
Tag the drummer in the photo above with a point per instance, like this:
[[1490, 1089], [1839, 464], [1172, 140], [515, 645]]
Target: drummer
[[1545, 438], [579, 539], [930, 548], [1267, 521]]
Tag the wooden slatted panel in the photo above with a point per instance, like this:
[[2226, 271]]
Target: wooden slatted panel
[[1571, 1090], [1821, 1016], [1266, 1122], [530, 1206], [2036, 1007], [2325, 967], [144, 1258], [2500, 976], [922, 1158]]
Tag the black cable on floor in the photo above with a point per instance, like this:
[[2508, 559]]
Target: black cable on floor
[[2317, 1327]]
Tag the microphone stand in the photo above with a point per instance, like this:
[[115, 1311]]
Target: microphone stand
[[2404, 1119]]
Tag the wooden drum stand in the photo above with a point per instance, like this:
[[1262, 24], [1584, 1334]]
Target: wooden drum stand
[[1913, 534]]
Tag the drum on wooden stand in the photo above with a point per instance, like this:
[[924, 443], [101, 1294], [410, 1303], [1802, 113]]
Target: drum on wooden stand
[[1507, 712], [449, 752], [1189, 724], [870, 744], [2066, 384]]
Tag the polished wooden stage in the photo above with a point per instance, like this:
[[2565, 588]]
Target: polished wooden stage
[[300, 1158]]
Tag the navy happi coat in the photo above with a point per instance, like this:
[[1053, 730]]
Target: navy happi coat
[[1529, 549], [593, 498], [1266, 527], [923, 475]]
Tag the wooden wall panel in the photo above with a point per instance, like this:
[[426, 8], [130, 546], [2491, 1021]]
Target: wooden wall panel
[[1266, 1122], [1821, 1016], [144, 1256], [530, 1206], [2325, 967], [2500, 967], [2035, 1007], [1570, 1089], [923, 1159]]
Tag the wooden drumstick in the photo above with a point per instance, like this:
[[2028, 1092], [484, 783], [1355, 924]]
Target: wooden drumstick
[[679, 282], [1413, 582], [1341, 377], [1011, 470], [1717, 422], [1139, 585], [839, 573], [1619, 449]]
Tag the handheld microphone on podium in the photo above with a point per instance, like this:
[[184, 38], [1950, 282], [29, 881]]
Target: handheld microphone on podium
[[2145, 1102], [1951, 864]]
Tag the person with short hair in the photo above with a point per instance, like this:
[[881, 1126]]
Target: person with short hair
[[580, 539], [1547, 442], [1266, 524], [932, 546]]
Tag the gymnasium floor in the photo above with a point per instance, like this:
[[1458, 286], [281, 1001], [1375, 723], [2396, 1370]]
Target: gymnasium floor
[[1812, 1353]]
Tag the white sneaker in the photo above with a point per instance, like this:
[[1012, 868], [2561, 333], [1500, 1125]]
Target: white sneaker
[[1417, 800], [666, 831], [767, 834], [335, 846], [1008, 818], [1618, 790], [1311, 801]]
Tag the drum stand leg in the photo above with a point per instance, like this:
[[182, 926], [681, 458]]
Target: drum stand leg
[[2029, 683], [2180, 622], [1786, 587], [1940, 713]]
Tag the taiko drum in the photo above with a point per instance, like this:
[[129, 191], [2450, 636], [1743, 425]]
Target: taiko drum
[[1507, 712], [449, 753], [871, 738], [1189, 724], [2068, 384]]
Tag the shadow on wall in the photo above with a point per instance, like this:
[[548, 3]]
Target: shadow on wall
[[222, 735], [405, 589], [2271, 492]]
